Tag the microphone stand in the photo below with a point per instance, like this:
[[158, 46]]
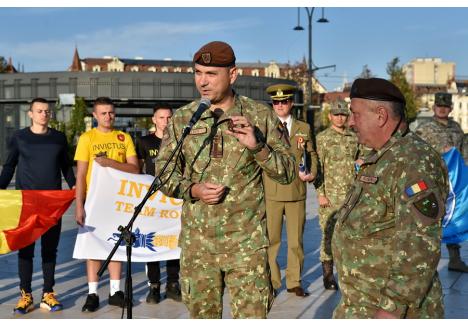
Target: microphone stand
[[126, 232]]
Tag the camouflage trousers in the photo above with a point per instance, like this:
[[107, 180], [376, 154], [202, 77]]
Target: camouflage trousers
[[327, 223], [358, 305], [204, 277]]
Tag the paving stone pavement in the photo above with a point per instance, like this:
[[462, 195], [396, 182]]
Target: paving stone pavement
[[71, 283]]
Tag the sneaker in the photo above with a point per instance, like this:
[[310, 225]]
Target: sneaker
[[92, 303], [25, 304], [50, 302], [117, 299], [154, 294], [173, 291]]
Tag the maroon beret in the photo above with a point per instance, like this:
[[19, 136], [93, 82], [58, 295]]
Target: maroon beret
[[376, 89], [215, 54]]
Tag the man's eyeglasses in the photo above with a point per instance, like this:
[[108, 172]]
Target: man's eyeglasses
[[276, 102]]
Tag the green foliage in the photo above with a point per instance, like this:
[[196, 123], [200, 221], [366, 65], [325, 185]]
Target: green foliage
[[76, 126], [397, 76], [72, 128], [366, 72]]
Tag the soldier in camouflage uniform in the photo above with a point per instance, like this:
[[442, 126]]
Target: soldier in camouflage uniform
[[443, 133], [386, 242], [337, 150], [219, 175]]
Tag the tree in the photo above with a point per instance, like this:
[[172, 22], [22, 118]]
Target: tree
[[397, 76], [366, 73], [76, 126], [3, 64]]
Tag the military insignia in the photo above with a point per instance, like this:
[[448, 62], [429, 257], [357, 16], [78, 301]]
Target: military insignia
[[121, 137], [300, 142], [428, 206], [217, 147], [206, 57], [368, 179], [279, 92], [415, 188], [198, 131]]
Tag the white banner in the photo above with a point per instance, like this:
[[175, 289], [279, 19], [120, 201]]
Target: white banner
[[110, 202]]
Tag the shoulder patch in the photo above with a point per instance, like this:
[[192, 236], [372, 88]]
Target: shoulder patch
[[415, 188], [428, 206]]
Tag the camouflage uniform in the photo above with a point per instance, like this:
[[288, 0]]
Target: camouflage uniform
[[441, 136], [336, 152], [225, 244], [386, 242]]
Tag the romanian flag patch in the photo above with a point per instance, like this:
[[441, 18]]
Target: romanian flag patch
[[416, 188]]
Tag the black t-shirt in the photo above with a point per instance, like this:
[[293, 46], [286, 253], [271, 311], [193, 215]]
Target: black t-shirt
[[38, 159], [147, 148]]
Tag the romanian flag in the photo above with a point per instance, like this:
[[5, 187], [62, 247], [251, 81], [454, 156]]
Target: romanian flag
[[416, 188], [25, 215]]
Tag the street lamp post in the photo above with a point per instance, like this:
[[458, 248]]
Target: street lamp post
[[310, 67]]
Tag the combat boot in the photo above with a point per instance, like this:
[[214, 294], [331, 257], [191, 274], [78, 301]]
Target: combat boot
[[455, 262], [173, 291], [154, 295], [328, 280]]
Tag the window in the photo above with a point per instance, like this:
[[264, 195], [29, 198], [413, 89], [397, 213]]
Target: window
[[96, 68]]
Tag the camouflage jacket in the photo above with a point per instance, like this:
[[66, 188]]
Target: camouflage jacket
[[440, 136], [238, 223], [386, 242], [336, 153]]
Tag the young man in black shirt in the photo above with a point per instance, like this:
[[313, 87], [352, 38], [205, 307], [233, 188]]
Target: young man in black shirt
[[39, 155], [147, 149]]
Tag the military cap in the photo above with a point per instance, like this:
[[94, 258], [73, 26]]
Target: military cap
[[339, 107], [376, 89], [215, 54], [443, 99], [281, 91]]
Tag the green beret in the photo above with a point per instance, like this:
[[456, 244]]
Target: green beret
[[339, 107], [443, 99], [281, 91], [376, 89], [215, 54]]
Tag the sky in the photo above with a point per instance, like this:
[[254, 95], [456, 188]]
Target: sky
[[43, 39]]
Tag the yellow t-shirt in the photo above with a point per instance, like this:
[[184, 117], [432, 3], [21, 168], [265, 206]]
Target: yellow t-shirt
[[116, 145]]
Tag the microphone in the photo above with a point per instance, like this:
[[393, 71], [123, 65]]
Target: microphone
[[202, 107]]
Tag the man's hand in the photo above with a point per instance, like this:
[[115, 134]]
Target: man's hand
[[243, 130], [209, 193], [323, 201], [383, 314], [306, 177], [104, 161], [80, 215]]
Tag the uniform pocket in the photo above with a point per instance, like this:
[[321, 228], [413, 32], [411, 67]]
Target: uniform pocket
[[350, 201]]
